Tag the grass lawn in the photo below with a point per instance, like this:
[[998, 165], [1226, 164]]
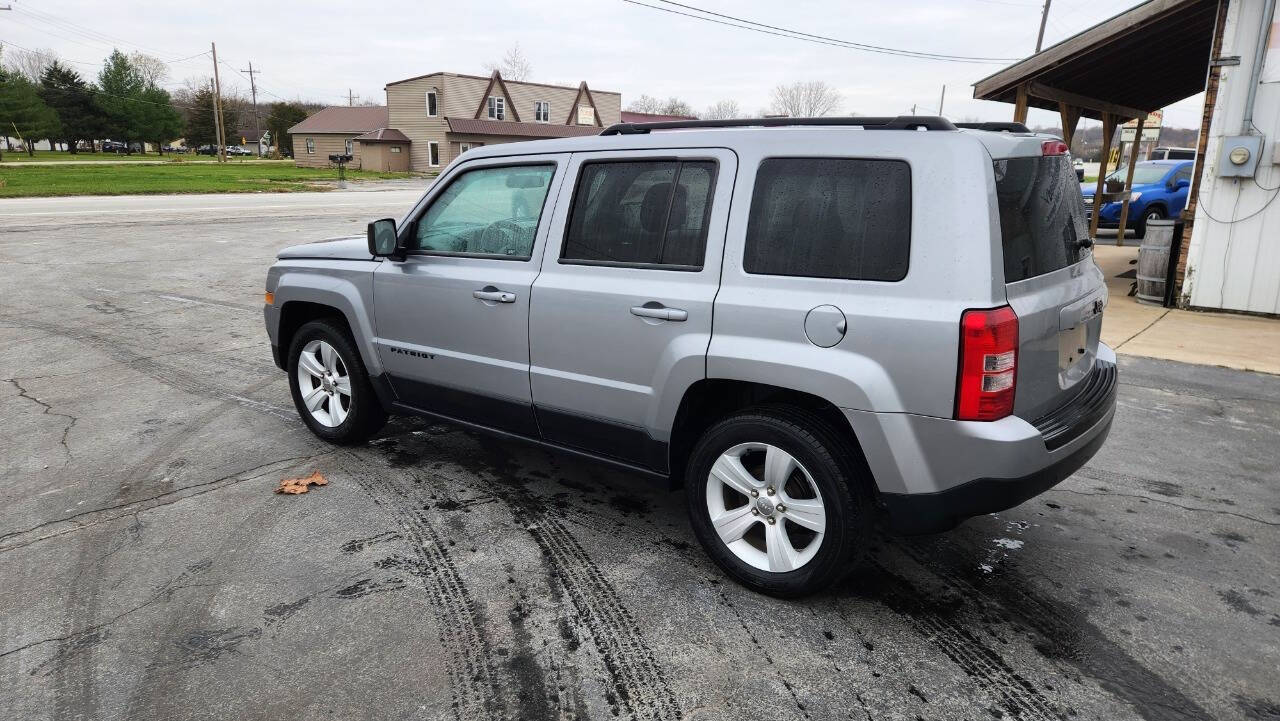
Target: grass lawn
[[62, 156], [109, 179]]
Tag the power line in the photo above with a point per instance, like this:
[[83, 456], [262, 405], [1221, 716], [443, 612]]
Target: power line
[[744, 24]]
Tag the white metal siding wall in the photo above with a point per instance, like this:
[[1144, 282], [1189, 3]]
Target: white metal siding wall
[[1236, 265]]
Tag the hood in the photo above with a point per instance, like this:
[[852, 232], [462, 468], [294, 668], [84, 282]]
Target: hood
[[355, 247]]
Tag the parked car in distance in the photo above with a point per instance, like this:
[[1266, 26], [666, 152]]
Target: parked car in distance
[[238, 150], [1159, 191], [112, 146], [207, 150], [863, 365], [1078, 166], [1165, 153]]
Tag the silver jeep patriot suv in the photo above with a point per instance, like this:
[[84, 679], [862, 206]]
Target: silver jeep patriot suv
[[814, 325]]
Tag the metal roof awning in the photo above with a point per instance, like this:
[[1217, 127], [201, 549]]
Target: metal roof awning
[[1138, 61]]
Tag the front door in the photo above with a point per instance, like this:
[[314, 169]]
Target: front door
[[452, 318], [621, 314]]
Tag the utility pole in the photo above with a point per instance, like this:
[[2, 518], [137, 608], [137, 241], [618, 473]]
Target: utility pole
[[217, 102], [351, 98], [913, 108], [253, 90], [942, 99], [217, 121], [1044, 18]]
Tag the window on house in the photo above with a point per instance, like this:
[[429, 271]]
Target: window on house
[[488, 211], [395, 148], [311, 145], [497, 108], [644, 213], [541, 111], [433, 153], [431, 103], [348, 147], [830, 218]]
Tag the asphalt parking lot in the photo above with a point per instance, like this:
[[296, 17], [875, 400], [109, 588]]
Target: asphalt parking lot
[[147, 570]]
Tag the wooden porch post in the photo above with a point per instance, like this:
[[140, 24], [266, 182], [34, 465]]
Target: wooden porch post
[[1128, 180], [1070, 115], [1020, 105], [1108, 129]]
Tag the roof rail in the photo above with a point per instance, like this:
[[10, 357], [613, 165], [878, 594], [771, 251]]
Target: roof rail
[[901, 122], [996, 127]]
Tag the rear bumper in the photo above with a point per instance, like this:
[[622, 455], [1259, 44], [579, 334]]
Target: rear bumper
[[933, 473]]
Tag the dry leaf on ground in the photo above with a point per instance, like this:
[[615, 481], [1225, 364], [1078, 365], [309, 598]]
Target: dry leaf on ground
[[300, 485]]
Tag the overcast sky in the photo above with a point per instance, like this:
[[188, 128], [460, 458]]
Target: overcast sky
[[317, 50]]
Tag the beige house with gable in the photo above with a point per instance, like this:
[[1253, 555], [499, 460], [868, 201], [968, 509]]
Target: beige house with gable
[[445, 114]]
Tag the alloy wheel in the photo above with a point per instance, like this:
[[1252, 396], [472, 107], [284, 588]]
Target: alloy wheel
[[765, 507], [324, 383]]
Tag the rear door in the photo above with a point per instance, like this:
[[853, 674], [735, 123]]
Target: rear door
[[621, 314], [1052, 283]]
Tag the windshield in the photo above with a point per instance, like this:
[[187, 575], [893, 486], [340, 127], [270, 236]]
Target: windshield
[[1041, 215], [1143, 173]]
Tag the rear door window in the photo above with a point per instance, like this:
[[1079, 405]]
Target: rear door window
[[1041, 215], [641, 213], [830, 218]]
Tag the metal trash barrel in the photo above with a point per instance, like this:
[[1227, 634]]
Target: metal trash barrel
[[1153, 261]]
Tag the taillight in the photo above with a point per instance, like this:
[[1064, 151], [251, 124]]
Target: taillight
[[988, 364], [1054, 147]]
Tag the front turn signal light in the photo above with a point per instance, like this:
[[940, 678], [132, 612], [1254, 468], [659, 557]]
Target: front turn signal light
[[269, 298]]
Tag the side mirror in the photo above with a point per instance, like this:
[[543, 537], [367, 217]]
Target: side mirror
[[1181, 183], [382, 238]]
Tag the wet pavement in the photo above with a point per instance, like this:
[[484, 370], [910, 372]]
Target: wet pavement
[[147, 570]]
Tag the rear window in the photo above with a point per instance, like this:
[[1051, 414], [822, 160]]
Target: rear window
[[830, 218], [1041, 215]]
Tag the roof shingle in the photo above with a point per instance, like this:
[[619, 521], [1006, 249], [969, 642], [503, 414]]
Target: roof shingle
[[344, 119]]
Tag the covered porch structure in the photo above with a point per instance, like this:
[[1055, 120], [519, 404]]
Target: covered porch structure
[[1121, 69]]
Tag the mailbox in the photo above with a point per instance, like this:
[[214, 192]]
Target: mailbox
[[340, 159]]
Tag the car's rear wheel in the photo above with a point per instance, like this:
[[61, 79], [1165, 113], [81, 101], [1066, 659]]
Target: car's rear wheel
[[771, 498], [1148, 215], [330, 386]]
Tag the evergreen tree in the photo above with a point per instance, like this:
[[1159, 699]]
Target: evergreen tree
[[160, 121], [71, 98], [283, 116], [120, 87], [23, 112], [199, 129]]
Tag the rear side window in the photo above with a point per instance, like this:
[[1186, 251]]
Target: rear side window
[[642, 213], [1041, 215], [830, 218]]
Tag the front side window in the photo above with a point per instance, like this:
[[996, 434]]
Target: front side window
[[487, 211], [642, 213], [830, 218], [433, 154], [542, 111], [311, 145], [431, 103], [497, 108]]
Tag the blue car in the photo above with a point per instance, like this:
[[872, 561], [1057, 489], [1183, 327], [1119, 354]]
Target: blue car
[[1159, 191]]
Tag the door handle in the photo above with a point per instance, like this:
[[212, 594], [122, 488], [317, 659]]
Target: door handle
[[659, 311], [493, 294]]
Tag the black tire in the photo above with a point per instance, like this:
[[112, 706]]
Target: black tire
[[828, 457], [366, 414], [1155, 213]]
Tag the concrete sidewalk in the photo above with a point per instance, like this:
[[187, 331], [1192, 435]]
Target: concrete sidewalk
[[1221, 339]]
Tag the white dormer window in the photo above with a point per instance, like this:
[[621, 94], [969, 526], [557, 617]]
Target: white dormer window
[[497, 108], [432, 104], [541, 111]]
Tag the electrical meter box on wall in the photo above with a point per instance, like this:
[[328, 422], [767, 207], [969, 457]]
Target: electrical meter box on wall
[[1239, 156]]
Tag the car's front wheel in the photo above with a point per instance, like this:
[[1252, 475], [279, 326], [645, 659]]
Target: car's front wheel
[[330, 386], [770, 498], [1147, 216]]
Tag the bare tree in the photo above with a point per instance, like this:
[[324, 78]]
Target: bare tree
[[811, 99], [723, 110], [670, 106], [153, 70], [513, 66], [30, 64]]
